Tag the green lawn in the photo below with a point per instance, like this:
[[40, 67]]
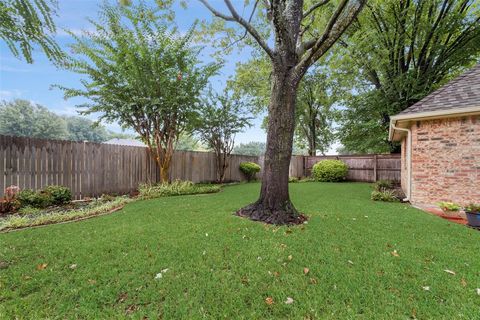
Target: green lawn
[[224, 267]]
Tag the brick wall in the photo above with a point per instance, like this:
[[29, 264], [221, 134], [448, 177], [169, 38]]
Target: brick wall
[[446, 160]]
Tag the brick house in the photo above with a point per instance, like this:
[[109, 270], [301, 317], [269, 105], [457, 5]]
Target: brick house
[[440, 138]]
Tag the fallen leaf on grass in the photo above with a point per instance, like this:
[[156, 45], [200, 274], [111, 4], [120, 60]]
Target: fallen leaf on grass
[[91, 281], [478, 291], [313, 281], [122, 297], [42, 266], [450, 272], [426, 288], [289, 300], [306, 271], [269, 301], [350, 261], [463, 282], [283, 246], [131, 308], [73, 266], [290, 257], [158, 276], [395, 253]]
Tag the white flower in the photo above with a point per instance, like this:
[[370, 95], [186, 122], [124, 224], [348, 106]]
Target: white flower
[[206, 234], [478, 291], [289, 300]]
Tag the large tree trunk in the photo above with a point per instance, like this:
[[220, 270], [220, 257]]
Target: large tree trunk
[[274, 205]]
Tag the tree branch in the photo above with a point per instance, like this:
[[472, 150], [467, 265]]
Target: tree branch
[[235, 17], [335, 28], [250, 28], [315, 7]]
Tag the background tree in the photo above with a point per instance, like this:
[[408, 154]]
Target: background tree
[[187, 142], [397, 53], [84, 129], [252, 148], [315, 113], [26, 23], [222, 117], [26, 119], [142, 75], [300, 36]]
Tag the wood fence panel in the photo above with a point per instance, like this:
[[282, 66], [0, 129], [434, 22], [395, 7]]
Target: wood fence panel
[[91, 169]]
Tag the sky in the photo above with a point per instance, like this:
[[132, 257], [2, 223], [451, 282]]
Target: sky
[[18, 79]]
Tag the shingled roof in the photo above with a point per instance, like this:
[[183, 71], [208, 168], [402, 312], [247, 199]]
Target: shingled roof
[[461, 92]]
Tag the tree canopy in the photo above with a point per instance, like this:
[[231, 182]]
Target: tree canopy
[[398, 52], [26, 119]]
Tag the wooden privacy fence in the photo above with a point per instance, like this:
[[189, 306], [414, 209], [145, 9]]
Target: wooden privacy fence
[[91, 169], [367, 168]]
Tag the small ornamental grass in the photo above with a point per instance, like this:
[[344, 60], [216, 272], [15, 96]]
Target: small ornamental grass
[[176, 188], [330, 171], [385, 195]]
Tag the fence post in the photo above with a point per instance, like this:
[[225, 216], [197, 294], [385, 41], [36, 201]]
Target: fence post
[[375, 168]]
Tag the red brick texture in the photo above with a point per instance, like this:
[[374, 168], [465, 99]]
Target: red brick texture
[[445, 160]]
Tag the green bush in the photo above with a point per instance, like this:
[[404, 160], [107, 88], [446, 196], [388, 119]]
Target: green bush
[[382, 185], [473, 207], [329, 171], [30, 198], [249, 169], [176, 188], [449, 206], [60, 194], [386, 195], [293, 179]]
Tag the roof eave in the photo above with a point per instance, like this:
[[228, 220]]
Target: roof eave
[[430, 115]]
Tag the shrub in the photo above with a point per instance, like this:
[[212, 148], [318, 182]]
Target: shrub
[[9, 203], [249, 169], [59, 194], [386, 195], [30, 198], [176, 188], [449, 206], [293, 179], [382, 185], [473, 207], [329, 170]]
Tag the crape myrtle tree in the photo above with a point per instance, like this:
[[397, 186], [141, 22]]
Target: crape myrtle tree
[[26, 23], [222, 117], [398, 52], [290, 34], [142, 74]]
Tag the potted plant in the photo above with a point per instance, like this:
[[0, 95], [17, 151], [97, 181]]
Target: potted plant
[[473, 214], [450, 209]]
